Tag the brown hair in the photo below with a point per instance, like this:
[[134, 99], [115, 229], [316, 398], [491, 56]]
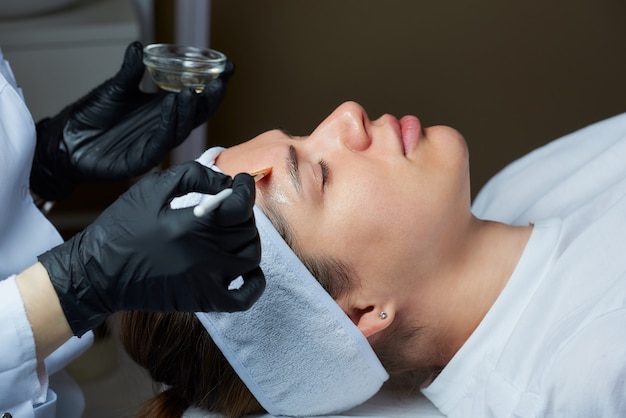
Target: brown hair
[[178, 353]]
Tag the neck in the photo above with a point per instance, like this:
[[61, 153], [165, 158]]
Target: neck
[[461, 292]]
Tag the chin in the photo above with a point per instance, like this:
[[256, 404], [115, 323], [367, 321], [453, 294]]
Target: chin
[[443, 132], [451, 140]]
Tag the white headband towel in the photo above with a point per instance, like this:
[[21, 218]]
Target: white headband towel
[[295, 349]]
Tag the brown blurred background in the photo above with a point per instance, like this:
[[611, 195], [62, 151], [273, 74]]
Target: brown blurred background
[[509, 75]]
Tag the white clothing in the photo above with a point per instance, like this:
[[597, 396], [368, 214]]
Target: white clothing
[[554, 342], [24, 234], [382, 405]]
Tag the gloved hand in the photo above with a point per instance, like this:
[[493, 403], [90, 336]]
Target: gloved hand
[[140, 254], [116, 131]]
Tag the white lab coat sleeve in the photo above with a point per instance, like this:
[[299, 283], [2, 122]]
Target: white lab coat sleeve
[[23, 382], [24, 233]]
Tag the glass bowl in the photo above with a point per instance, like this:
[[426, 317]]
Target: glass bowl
[[175, 67]]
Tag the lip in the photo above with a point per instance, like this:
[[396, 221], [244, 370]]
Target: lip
[[408, 129], [411, 129]]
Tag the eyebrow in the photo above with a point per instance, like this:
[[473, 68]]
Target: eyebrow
[[292, 169]]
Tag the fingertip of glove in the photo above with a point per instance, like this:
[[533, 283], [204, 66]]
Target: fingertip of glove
[[229, 70], [219, 83], [134, 52], [243, 178], [132, 68], [253, 287], [244, 182], [187, 93], [135, 45], [214, 88]]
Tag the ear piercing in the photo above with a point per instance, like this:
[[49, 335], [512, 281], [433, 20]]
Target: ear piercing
[[382, 315]]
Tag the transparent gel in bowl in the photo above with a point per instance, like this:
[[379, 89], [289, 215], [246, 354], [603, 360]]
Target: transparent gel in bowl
[[175, 67]]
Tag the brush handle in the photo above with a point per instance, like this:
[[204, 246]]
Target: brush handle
[[210, 202]]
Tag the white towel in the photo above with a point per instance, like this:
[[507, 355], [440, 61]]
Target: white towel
[[295, 349]]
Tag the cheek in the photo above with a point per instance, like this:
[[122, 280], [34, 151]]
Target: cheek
[[379, 227], [363, 225]]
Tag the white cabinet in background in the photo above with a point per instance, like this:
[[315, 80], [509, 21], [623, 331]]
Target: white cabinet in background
[[59, 56]]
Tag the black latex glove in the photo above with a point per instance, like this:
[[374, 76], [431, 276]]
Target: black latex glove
[[142, 255], [116, 131]]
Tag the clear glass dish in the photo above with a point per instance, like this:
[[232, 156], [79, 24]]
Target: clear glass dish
[[175, 67]]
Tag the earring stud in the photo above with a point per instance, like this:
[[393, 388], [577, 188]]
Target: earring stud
[[383, 315]]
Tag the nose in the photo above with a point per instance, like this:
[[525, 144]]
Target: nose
[[349, 125]]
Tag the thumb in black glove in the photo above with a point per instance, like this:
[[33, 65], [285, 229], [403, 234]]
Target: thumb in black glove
[[116, 131], [142, 255]]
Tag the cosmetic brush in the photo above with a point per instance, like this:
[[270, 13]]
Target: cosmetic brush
[[210, 202]]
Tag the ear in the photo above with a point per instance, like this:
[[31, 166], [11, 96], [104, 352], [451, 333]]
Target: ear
[[372, 319]]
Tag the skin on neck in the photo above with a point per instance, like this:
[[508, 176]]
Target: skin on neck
[[450, 302]]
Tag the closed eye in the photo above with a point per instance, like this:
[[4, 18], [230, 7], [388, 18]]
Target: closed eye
[[325, 172]]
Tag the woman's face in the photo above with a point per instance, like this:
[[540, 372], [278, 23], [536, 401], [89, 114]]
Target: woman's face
[[382, 196]]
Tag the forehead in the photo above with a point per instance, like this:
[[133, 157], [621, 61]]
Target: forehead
[[262, 143], [261, 152]]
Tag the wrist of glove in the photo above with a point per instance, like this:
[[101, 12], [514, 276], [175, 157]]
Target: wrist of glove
[[117, 131], [142, 255], [51, 176]]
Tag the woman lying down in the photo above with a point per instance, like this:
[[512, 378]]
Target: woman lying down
[[514, 306]]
